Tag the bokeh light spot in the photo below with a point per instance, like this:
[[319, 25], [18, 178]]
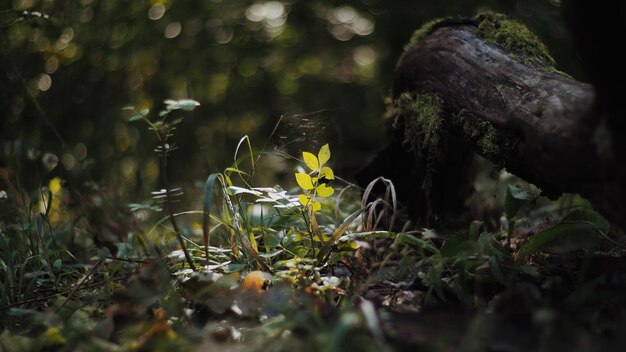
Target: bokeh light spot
[[44, 82], [172, 30], [156, 12]]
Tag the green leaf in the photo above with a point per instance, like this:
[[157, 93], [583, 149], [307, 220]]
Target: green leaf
[[239, 190], [324, 154], [311, 161], [273, 238], [188, 104], [516, 198], [304, 181], [135, 118], [144, 112], [58, 264], [182, 104], [250, 153], [578, 230], [434, 278], [417, 242], [474, 230], [368, 235], [328, 246], [457, 245], [232, 169], [496, 270]]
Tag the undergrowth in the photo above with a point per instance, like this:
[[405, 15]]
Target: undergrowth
[[309, 266]]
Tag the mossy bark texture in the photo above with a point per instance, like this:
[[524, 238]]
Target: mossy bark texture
[[489, 85], [423, 128]]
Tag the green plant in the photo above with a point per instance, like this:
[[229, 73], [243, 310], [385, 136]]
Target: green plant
[[34, 228], [267, 228], [164, 129], [315, 185], [292, 235]]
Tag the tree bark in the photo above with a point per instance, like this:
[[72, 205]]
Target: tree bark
[[544, 122]]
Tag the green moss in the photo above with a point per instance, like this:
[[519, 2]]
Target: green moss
[[421, 117], [483, 133], [422, 122], [513, 36], [487, 141], [552, 69], [426, 29]]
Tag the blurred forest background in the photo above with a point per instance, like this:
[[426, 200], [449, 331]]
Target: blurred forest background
[[68, 68]]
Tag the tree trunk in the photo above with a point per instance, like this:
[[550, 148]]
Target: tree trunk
[[505, 105]]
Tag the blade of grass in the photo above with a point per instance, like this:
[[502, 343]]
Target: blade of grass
[[243, 238], [250, 155], [327, 248], [206, 208], [390, 191]]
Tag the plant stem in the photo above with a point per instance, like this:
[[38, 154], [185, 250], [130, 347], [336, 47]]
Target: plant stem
[[168, 202], [309, 229], [511, 231], [245, 242], [44, 217], [82, 282]]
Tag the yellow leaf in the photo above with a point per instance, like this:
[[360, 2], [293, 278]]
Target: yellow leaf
[[304, 181], [253, 242], [317, 206], [323, 239], [325, 191], [254, 280], [55, 185], [311, 161], [327, 173], [304, 200], [324, 154], [53, 334]]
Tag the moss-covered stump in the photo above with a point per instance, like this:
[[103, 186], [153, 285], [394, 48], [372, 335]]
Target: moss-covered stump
[[487, 84], [435, 186], [423, 123], [495, 28]]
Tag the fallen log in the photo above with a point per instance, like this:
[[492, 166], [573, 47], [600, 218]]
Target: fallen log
[[488, 86]]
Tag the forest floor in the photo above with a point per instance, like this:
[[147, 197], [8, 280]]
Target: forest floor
[[266, 269]]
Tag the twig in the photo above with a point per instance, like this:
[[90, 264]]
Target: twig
[[129, 260], [168, 202], [81, 282], [602, 234], [39, 299]]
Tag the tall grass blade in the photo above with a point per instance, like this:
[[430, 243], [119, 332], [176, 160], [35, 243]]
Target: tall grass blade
[[327, 248], [206, 208]]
